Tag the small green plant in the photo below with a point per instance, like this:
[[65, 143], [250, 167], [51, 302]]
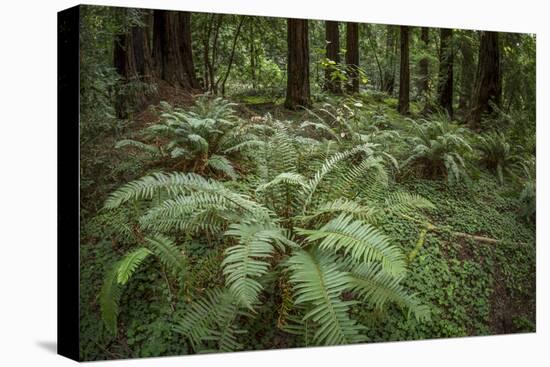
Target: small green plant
[[197, 140], [439, 148], [497, 155]]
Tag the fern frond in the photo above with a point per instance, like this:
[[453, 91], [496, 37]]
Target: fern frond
[[181, 183], [318, 282], [130, 263], [404, 202], [327, 167], [210, 317], [244, 263], [372, 283], [149, 148], [287, 178], [109, 298], [222, 164], [362, 241], [168, 253], [343, 205]]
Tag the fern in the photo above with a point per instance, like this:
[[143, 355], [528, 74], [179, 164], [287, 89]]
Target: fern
[[153, 150], [210, 318], [439, 147], [168, 253], [130, 263], [319, 282], [343, 205], [244, 263], [109, 298], [404, 202], [372, 283], [497, 155], [327, 167], [360, 240], [222, 164]]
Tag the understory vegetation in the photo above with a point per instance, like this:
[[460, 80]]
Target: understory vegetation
[[229, 223]]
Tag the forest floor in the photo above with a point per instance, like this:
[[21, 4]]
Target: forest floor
[[472, 287]]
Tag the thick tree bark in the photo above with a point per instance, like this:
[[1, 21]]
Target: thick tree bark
[[186, 47], [352, 56], [297, 86], [488, 87], [424, 80], [404, 72], [132, 61], [332, 39], [445, 81], [467, 74], [172, 51]]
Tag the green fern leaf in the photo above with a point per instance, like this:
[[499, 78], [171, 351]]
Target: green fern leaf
[[109, 298], [168, 253], [319, 283], [245, 262], [372, 283], [362, 241], [129, 264]]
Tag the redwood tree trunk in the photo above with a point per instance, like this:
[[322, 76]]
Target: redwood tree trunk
[[132, 61], [297, 86], [445, 82], [332, 38], [186, 48], [352, 56], [404, 72], [172, 51], [488, 87]]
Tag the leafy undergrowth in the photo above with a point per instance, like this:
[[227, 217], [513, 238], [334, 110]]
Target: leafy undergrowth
[[471, 287]]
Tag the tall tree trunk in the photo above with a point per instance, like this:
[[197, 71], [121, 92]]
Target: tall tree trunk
[[388, 81], [352, 56], [186, 47], [467, 74], [332, 39], [297, 86], [445, 81], [424, 80], [172, 49], [404, 72], [132, 60], [488, 86]]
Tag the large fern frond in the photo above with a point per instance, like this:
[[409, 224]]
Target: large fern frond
[[130, 263], [245, 263], [343, 205], [153, 150], [182, 183], [327, 167], [319, 282], [210, 318], [222, 164], [361, 240], [372, 283], [404, 202], [167, 252], [109, 298]]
